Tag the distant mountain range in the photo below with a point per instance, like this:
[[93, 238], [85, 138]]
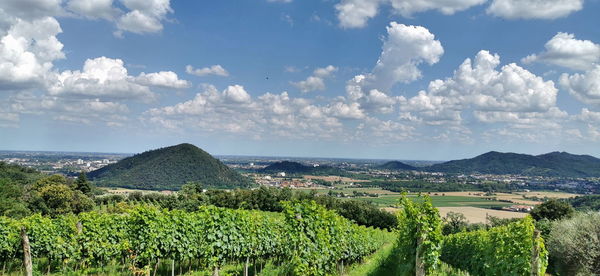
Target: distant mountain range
[[558, 164], [290, 167], [169, 168], [397, 166]]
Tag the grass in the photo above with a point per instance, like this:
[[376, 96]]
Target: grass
[[385, 262]]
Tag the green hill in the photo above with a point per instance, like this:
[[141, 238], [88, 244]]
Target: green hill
[[396, 166], [18, 173], [290, 167], [169, 168], [559, 164]]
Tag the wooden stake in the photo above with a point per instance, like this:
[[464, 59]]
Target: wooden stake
[[26, 253]]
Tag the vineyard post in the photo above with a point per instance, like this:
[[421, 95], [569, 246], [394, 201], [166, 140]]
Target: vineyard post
[[419, 264], [216, 271], [246, 266], [173, 267], [535, 254], [26, 253]]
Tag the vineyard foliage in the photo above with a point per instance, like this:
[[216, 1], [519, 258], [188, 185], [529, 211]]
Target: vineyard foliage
[[308, 236], [419, 234], [320, 239], [503, 250]]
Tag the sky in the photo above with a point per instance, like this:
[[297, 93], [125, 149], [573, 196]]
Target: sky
[[389, 79]]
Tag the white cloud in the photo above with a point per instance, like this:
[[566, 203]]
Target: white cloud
[[94, 9], [585, 87], [345, 110], [280, 1], [512, 91], [145, 16], [27, 51], [448, 7], [372, 100], [404, 49], [316, 82], [534, 9], [74, 110], [589, 116], [9, 119], [31, 9], [566, 51], [234, 111], [216, 70], [108, 79], [236, 94], [163, 79], [356, 13]]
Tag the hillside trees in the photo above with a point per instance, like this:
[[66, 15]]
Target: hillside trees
[[54, 195], [552, 209]]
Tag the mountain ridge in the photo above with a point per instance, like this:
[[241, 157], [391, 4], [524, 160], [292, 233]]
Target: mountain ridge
[[558, 164]]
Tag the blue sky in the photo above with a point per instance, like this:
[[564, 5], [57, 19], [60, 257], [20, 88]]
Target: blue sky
[[397, 79]]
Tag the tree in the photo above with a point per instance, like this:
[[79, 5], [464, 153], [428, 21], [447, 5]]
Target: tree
[[83, 185], [53, 196], [573, 244], [552, 209], [11, 199], [454, 223]]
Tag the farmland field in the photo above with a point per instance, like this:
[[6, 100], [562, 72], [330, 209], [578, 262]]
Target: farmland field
[[439, 201], [479, 215]]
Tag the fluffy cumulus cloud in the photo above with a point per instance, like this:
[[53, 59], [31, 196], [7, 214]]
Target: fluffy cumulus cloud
[[144, 16], [233, 110], [136, 16], [107, 78], [589, 116], [495, 95], [371, 100], [404, 49], [585, 87], [75, 110], [216, 70], [356, 13], [567, 51], [94, 9], [162, 79], [31, 9], [408, 7], [316, 82], [27, 52], [534, 9]]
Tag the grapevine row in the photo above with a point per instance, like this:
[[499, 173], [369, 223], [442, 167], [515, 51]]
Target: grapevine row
[[513, 249], [307, 236]]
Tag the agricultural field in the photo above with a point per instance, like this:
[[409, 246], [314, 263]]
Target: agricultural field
[[335, 178], [125, 191], [439, 201], [479, 215]]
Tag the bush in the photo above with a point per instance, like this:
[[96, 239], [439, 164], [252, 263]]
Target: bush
[[574, 245]]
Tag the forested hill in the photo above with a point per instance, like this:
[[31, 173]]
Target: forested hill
[[18, 174], [297, 168], [169, 168], [560, 164], [396, 165]]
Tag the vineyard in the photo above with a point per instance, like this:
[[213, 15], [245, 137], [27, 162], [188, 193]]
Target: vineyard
[[308, 238], [304, 239]]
